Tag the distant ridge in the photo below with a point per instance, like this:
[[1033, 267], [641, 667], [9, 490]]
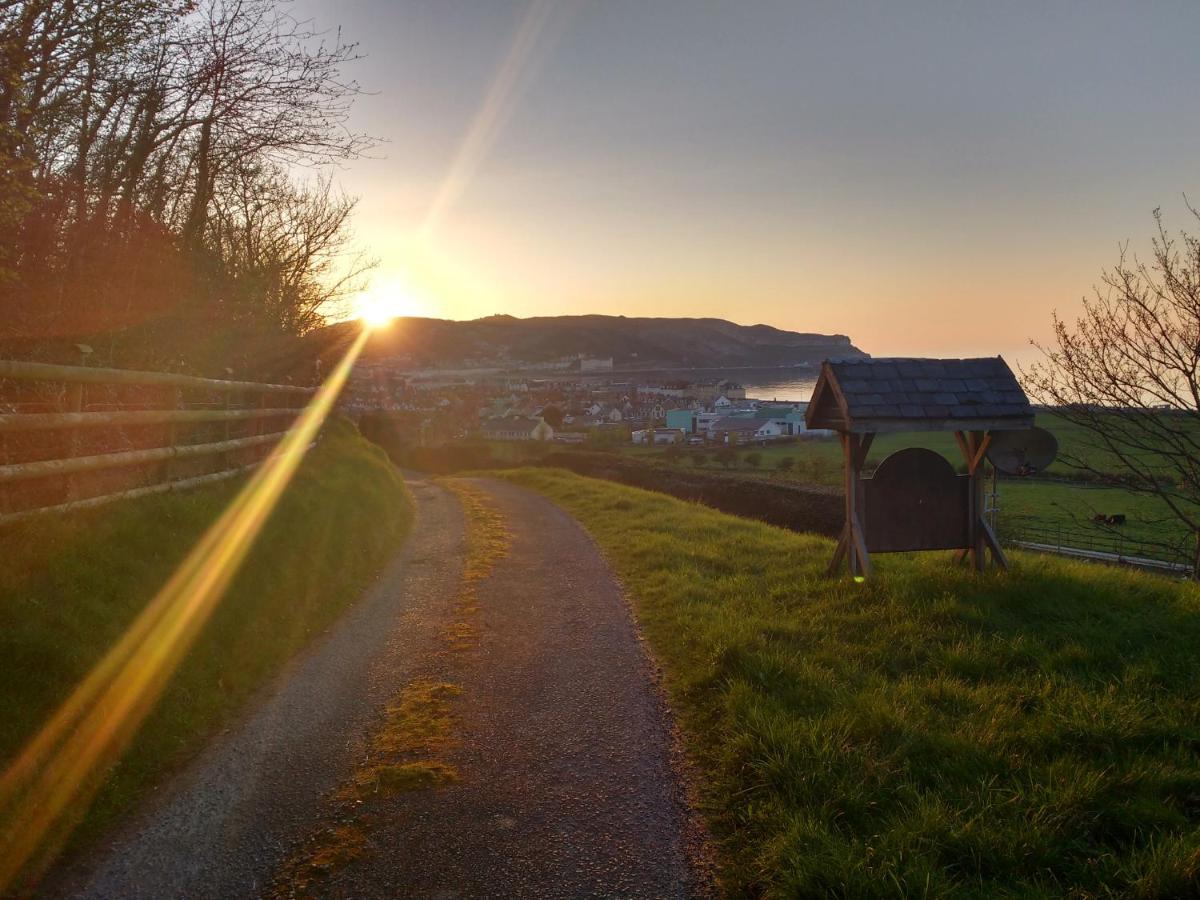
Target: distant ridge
[[631, 342]]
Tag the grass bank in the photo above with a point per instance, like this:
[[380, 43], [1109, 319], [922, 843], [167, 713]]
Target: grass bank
[[929, 733], [70, 585]]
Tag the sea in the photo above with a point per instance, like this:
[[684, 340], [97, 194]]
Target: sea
[[791, 383]]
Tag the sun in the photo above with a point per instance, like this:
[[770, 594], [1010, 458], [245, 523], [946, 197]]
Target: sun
[[377, 307], [376, 312]]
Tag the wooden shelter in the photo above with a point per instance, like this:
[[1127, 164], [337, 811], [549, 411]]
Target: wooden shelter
[[915, 500]]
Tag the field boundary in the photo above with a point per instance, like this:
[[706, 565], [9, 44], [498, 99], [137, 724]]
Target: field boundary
[[73, 437]]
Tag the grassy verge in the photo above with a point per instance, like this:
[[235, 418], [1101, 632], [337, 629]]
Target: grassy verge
[[69, 586], [929, 733]]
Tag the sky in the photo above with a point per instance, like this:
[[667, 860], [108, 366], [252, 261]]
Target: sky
[[927, 178]]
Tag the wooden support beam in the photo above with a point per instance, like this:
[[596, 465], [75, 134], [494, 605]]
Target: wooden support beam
[[860, 542], [852, 546], [839, 552], [977, 442], [993, 544], [961, 440], [981, 449], [849, 487], [864, 447]]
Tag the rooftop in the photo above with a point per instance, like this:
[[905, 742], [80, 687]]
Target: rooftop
[[901, 394], [737, 423]]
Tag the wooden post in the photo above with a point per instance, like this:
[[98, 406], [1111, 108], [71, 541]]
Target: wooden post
[[74, 404], [168, 471], [980, 538], [853, 543], [850, 488], [260, 422], [226, 459]]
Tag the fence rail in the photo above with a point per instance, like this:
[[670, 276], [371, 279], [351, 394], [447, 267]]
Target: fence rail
[[34, 371], [73, 437], [1104, 546]]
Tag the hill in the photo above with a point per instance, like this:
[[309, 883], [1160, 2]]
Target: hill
[[633, 343]]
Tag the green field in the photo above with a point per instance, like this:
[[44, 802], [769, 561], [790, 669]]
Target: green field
[[70, 585], [819, 460], [1048, 508], [1043, 511], [930, 733]]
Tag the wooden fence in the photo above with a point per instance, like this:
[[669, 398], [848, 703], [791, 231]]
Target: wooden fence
[[73, 437]]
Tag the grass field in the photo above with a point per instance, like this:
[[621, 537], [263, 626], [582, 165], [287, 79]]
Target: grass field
[[1054, 505], [819, 460], [929, 733], [1034, 507], [70, 585]]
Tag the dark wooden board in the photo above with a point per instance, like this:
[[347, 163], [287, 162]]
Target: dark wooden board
[[915, 501]]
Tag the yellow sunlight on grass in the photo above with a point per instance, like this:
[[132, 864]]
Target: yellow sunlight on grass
[[49, 785]]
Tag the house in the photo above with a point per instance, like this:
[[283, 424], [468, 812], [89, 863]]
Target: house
[[654, 411], [732, 390], [516, 428], [684, 419], [740, 429], [791, 421], [658, 436]]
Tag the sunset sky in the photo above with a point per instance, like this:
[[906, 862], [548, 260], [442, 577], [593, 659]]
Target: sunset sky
[[929, 178]]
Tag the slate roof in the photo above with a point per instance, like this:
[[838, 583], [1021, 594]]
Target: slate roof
[[899, 393], [737, 423], [510, 423]]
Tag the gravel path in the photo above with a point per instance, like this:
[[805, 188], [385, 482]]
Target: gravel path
[[226, 824], [564, 746], [569, 787]]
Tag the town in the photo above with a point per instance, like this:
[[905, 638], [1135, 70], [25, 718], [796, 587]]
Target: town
[[571, 407]]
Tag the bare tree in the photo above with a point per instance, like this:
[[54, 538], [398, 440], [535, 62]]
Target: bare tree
[[1126, 371], [288, 246], [146, 152]]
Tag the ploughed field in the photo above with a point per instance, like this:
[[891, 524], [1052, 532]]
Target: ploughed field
[[928, 733]]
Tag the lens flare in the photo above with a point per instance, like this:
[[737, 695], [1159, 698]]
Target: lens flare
[[377, 312], [541, 24], [49, 785], [377, 307]]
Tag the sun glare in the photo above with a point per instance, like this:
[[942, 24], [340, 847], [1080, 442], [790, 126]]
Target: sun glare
[[377, 307], [376, 312]]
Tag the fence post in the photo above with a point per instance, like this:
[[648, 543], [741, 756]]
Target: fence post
[[168, 469], [74, 438], [260, 423], [226, 460]]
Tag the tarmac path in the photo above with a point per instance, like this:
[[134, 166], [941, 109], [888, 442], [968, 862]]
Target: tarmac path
[[559, 753]]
